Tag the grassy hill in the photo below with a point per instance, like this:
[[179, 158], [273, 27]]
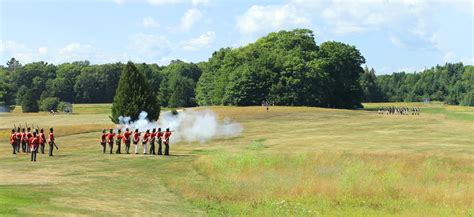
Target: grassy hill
[[289, 161]]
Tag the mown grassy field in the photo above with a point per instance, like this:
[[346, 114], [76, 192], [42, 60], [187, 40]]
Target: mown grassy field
[[295, 161]]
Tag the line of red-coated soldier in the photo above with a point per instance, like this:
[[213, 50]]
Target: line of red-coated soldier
[[30, 142], [156, 135]]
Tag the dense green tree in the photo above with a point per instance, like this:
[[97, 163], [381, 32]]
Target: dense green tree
[[29, 103], [370, 90], [343, 63], [49, 103], [177, 88], [134, 95]]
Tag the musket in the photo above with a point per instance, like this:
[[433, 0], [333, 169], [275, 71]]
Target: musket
[[54, 143]]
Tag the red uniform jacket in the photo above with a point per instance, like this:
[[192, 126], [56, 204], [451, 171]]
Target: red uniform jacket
[[145, 138], [18, 136], [152, 137], [166, 136], [126, 136], [103, 137], [34, 142], [23, 137], [119, 138], [42, 138], [12, 138], [136, 137], [28, 136], [51, 137], [110, 137], [159, 135]]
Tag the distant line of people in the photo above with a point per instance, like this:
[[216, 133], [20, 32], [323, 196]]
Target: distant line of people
[[393, 110], [31, 142], [128, 137]]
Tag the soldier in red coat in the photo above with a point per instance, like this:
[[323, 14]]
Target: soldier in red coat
[[18, 140], [12, 140], [110, 139], [159, 134], [103, 142], [126, 140], [23, 140], [51, 141], [145, 139], [166, 140], [152, 141], [136, 139], [119, 142], [34, 143], [28, 137], [42, 140]]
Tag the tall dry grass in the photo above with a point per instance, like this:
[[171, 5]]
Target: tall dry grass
[[254, 183]]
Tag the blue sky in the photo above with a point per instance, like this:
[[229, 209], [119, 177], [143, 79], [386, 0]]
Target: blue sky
[[393, 35]]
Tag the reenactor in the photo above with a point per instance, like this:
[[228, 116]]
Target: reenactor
[[18, 140], [34, 143], [12, 140], [103, 141], [166, 140], [145, 139], [28, 139], [136, 139], [126, 139], [159, 134], [51, 141], [119, 142], [23, 140], [110, 139], [42, 139], [152, 141]]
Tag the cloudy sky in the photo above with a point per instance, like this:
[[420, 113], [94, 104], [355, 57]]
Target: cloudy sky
[[393, 35]]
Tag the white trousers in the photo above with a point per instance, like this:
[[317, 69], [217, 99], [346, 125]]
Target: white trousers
[[136, 148], [144, 147]]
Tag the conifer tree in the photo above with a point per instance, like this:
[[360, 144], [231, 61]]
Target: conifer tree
[[133, 95]]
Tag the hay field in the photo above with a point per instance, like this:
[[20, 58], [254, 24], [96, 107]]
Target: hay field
[[290, 161]]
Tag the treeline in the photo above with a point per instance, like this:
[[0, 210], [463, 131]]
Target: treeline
[[284, 68], [451, 83], [40, 86]]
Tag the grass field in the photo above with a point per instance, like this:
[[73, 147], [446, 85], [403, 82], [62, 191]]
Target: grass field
[[295, 161]]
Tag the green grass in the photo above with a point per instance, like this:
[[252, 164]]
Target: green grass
[[291, 161]]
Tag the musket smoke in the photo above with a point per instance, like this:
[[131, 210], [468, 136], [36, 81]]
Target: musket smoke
[[188, 125]]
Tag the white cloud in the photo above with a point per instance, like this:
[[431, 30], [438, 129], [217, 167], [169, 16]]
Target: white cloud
[[190, 18], [43, 50], [119, 2], [11, 46], [150, 22], [163, 2], [202, 41], [72, 47], [150, 45], [272, 17], [200, 2]]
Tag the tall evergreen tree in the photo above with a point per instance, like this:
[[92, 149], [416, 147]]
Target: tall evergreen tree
[[134, 95]]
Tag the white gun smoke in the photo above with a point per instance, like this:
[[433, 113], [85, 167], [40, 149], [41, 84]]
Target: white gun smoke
[[188, 125]]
